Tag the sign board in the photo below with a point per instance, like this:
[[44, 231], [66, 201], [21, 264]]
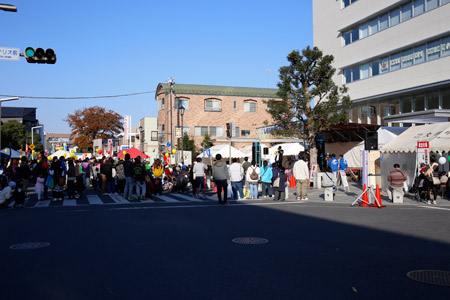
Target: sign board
[[168, 144], [10, 53], [126, 125], [313, 173], [31, 146], [344, 179], [178, 132], [423, 152], [423, 145], [233, 129]]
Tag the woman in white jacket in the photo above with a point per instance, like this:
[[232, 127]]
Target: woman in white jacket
[[252, 177]]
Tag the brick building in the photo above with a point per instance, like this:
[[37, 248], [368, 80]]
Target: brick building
[[209, 108]]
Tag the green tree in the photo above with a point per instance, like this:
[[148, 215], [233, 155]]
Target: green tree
[[14, 134], [188, 145], [311, 101], [207, 141]]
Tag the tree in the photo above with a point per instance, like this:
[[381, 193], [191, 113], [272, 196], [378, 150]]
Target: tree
[[14, 134], [311, 101], [93, 123], [188, 144], [206, 141]]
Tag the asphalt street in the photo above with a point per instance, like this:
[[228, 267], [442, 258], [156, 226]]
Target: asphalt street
[[186, 251]]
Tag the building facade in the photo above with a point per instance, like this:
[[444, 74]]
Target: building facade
[[208, 109], [393, 55]]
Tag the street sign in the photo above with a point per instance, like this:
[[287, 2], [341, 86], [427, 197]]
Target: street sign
[[168, 144], [233, 129], [10, 53], [31, 147]]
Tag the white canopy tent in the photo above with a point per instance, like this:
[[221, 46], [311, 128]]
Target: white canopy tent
[[288, 149], [11, 152], [350, 150], [402, 150], [60, 153], [223, 150], [387, 134]]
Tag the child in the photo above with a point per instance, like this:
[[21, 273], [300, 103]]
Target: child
[[19, 196], [39, 187]]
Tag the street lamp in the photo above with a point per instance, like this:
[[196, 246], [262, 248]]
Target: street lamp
[[8, 7], [181, 109], [2, 100], [32, 137], [141, 138]]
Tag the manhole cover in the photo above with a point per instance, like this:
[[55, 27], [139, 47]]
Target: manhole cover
[[250, 240], [435, 277], [31, 245]]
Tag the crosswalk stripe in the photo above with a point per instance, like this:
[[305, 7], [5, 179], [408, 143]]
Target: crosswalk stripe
[[12, 203], [43, 203], [167, 199], [118, 199], [70, 202], [94, 199], [189, 198], [148, 201]]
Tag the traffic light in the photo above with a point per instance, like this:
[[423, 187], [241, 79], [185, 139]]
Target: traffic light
[[228, 130], [40, 56]]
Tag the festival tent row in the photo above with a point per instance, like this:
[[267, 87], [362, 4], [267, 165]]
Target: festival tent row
[[7, 152], [403, 149]]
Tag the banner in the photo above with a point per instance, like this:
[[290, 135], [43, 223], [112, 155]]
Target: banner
[[126, 127]]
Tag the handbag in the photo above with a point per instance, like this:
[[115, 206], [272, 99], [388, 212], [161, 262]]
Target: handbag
[[194, 176], [50, 182], [436, 181], [276, 183]]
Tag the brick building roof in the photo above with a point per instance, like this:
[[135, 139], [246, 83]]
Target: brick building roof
[[215, 90]]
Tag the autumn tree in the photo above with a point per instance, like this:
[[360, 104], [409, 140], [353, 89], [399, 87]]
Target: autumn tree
[[311, 101], [93, 123]]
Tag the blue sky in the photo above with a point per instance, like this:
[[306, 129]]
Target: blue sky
[[120, 47]]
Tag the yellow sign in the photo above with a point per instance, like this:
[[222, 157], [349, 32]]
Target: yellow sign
[[31, 147]]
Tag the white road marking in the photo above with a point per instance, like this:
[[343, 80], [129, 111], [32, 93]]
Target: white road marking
[[167, 199], [189, 198], [118, 199], [44, 203], [70, 202], [434, 207], [94, 199]]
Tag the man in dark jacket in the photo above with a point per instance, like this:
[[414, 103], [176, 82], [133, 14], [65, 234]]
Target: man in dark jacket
[[128, 170]]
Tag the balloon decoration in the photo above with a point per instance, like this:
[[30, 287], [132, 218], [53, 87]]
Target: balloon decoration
[[109, 152], [100, 151], [65, 154], [96, 150], [442, 160], [61, 148], [167, 155], [124, 152], [33, 151], [174, 151], [275, 152], [6, 150], [71, 154]]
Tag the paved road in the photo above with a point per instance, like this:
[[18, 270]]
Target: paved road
[[185, 251]]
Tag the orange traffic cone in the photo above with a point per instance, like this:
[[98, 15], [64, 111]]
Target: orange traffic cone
[[378, 202], [292, 182], [365, 199]]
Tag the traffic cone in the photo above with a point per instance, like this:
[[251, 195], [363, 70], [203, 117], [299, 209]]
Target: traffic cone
[[378, 202], [292, 182], [365, 199]]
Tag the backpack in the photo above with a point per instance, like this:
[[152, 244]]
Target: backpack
[[139, 173], [254, 175]]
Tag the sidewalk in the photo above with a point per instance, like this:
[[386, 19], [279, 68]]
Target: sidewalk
[[316, 195]]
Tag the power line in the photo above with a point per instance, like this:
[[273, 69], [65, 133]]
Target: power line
[[79, 98]]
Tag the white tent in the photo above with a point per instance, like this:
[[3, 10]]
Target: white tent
[[60, 153], [223, 150], [350, 150], [387, 134], [288, 149]]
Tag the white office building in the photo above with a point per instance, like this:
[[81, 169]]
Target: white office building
[[393, 55]]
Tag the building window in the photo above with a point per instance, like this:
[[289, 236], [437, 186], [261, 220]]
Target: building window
[[235, 105], [419, 7], [364, 71], [249, 106], [433, 101], [384, 22], [215, 131], [384, 65], [163, 128], [419, 55], [182, 102], [432, 4], [419, 102], [446, 99], [348, 75], [355, 35], [154, 136], [355, 74], [347, 37], [245, 132], [348, 2], [406, 12], [395, 62], [445, 46], [405, 105], [161, 104], [213, 105], [433, 50], [200, 130], [373, 26], [185, 130], [363, 30], [407, 58], [394, 17], [375, 66]]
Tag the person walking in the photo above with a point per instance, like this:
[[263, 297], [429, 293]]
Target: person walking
[[25, 173], [199, 176], [158, 173], [71, 177], [221, 178], [129, 184], [139, 178], [279, 185], [266, 179], [252, 177], [236, 175], [279, 156], [301, 174], [40, 183], [396, 177], [343, 166], [245, 165], [333, 163], [120, 170]]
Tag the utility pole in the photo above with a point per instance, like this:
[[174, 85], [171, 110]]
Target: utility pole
[[267, 77]]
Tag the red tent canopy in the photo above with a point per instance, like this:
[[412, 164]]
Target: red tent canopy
[[133, 153]]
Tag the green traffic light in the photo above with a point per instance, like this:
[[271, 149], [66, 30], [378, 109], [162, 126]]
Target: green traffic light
[[29, 52]]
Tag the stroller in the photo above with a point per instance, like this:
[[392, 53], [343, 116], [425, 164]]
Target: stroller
[[180, 183]]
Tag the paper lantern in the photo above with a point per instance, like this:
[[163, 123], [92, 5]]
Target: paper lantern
[[174, 151], [442, 160]]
